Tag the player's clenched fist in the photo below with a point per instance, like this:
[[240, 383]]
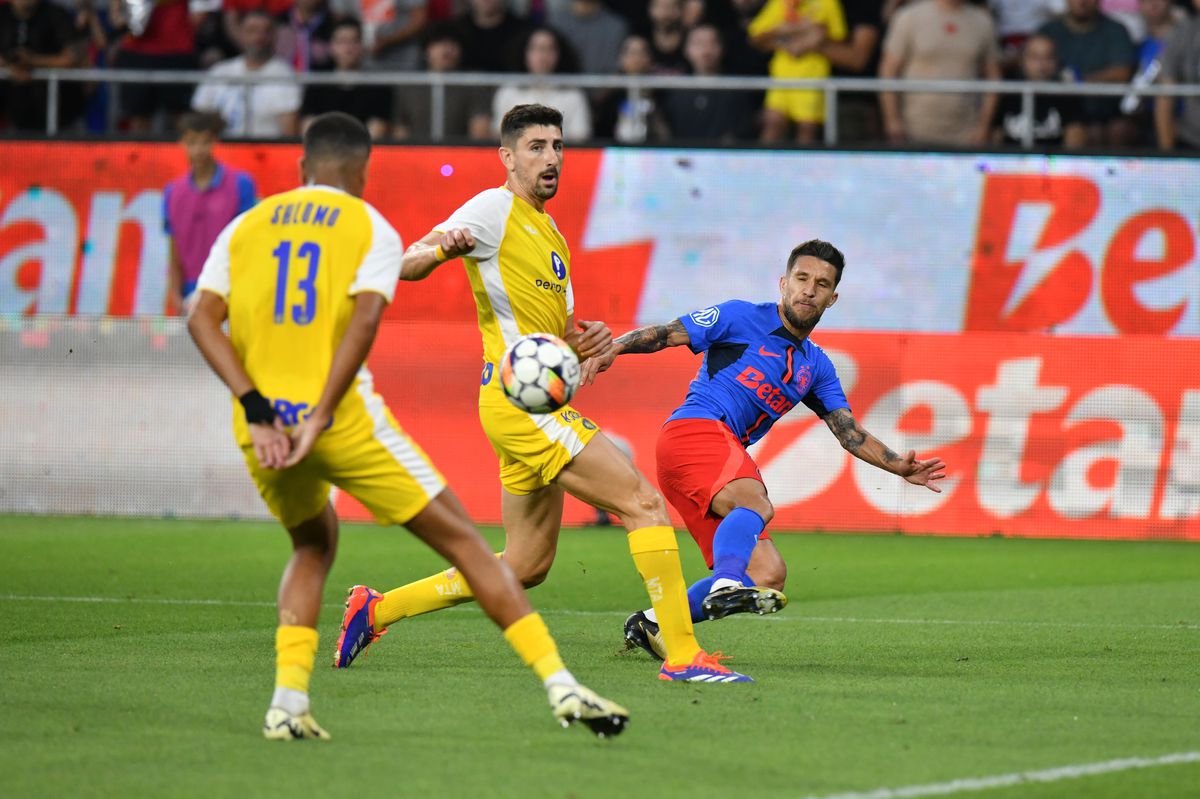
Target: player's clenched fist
[[456, 242]]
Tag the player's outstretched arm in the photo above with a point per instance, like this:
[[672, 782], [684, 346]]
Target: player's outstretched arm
[[650, 338], [430, 252], [347, 360], [866, 447], [271, 444]]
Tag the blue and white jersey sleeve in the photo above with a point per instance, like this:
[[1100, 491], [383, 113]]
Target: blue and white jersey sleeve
[[712, 325], [826, 394]]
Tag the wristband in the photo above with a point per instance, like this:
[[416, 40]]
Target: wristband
[[257, 407], [439, 253]]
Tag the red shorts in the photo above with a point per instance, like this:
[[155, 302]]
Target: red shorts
[[696, 459]]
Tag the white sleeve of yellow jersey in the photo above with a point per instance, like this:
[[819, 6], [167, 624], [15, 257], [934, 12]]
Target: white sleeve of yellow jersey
[[485, 215], [214, 276], [380, 269], [570, 297]]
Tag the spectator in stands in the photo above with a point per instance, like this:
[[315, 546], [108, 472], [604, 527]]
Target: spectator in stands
[[234, 10], [1180, 64], [198, 205], [795, 32], [634, 12], [166, 42], [491, 37], [1125, 12], [468, 109], [1056, 120], [210, 43], [302, 41], [625, 118], [857, 56], [546, 54], [1016, 21], [398, 38], [732, 18], [666, 36], [370, 104], [1096, 49], [707, 114], [939, 40], [266, 110], [1158, 20], [595, 32], [34, 34]]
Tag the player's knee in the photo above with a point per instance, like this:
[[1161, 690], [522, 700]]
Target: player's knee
[[763, 508]]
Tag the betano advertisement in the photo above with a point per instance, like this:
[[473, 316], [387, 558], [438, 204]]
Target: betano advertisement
[[1034, 321]]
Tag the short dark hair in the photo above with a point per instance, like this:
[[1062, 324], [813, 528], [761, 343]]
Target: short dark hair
[[347, 22], [202, 122], [441, 31], [336, 136], [822, 251], [520, 117]]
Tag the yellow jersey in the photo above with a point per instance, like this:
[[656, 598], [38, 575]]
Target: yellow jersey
[[776, 12], [289, 269], [520, 269]]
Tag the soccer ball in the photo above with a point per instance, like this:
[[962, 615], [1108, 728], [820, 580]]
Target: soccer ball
[[539, 373]]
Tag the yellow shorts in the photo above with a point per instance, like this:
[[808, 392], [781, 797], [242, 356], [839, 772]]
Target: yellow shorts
[[798, 105], [372, 459], [533, 448]]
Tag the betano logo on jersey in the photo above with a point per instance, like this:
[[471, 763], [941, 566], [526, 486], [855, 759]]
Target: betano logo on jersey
[[771, 396]]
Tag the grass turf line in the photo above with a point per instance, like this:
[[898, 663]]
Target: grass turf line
[[165, 700]]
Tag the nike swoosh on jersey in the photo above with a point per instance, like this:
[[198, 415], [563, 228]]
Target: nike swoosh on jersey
[[764, 351]]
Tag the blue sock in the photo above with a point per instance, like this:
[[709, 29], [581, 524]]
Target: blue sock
[[696, 593], [735, 539]]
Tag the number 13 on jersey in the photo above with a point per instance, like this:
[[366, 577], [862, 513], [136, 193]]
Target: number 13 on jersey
[[302, 314]]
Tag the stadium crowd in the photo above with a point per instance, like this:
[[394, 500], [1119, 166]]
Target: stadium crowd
[[1132, 42]]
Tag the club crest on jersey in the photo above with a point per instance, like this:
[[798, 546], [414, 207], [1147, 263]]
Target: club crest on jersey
[[706, 317], [803, 377], [557, 264]]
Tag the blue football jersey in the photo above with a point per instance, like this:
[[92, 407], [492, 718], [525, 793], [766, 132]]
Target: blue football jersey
[[754, 370]]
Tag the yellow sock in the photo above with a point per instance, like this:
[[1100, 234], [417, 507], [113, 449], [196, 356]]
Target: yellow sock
[[656, 555], [295, 649], [442, 590], [530, 638]]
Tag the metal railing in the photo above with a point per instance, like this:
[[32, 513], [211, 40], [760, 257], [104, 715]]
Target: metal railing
[[439, 82]]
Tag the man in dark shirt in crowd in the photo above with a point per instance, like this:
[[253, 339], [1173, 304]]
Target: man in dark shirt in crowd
[[857, 56], [1056, 119], [370, 104], [468, 109], [168, 42], [491, 37], [1095, 48], [716, 115], [37, 34]]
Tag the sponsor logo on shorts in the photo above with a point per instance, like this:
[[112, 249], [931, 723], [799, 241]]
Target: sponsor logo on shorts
[[557, 264], [569, 416], [706, 317], [293, 413], [588, 424]]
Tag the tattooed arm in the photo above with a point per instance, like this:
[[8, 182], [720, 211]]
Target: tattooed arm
[[650, 338], [866, 447]]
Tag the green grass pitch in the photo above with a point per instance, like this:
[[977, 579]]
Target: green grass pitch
[[137, 661]]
